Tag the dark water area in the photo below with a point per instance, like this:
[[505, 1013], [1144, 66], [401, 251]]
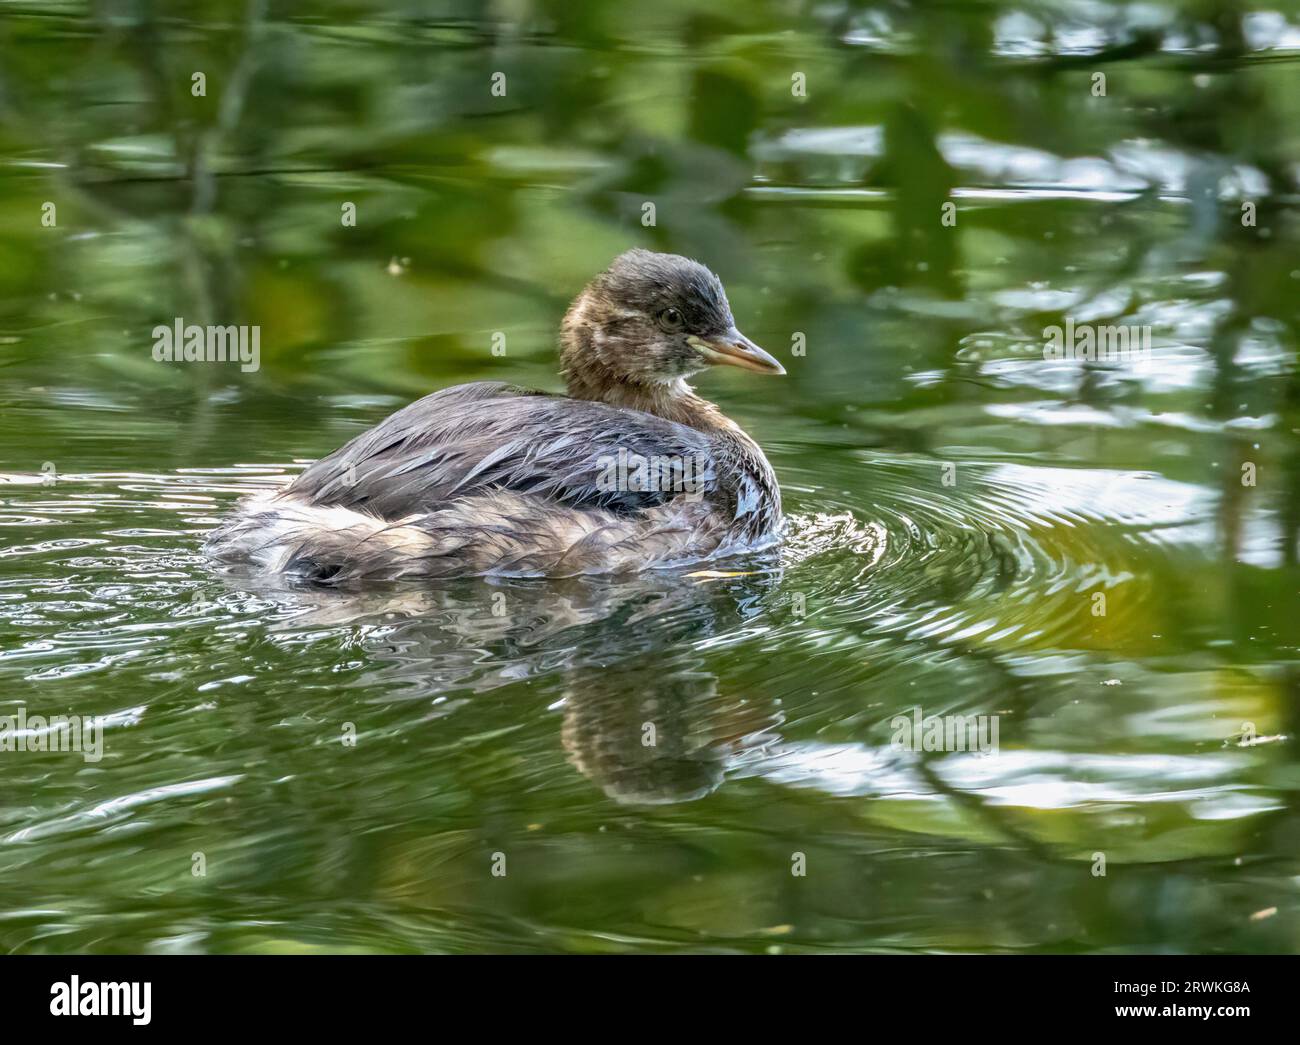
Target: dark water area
[[1098, 556]]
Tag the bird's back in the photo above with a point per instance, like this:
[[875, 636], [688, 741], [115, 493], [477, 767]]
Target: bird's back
[[488, 478]]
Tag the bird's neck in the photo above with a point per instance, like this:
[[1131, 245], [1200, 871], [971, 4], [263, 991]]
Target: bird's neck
[[671, 400]]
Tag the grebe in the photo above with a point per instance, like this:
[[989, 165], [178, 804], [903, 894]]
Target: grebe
[[630, 471]]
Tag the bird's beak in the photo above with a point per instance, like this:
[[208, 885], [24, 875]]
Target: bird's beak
[[734, 349]]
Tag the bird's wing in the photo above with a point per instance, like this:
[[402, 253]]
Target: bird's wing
[[490, 436]]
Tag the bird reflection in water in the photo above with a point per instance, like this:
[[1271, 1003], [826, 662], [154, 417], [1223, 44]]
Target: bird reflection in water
[[643, 719]]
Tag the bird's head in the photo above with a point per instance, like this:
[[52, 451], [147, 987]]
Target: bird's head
[[650, 320]]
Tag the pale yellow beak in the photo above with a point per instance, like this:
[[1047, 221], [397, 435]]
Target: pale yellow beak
[[734, 349]]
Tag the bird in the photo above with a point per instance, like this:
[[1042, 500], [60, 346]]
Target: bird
[[630, 470]]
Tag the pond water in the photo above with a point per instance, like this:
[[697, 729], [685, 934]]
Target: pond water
[[1096, 560]]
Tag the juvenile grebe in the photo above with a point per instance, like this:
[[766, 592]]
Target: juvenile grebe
[[631, 470]]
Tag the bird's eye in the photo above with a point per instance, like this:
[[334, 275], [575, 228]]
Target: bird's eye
[[671, 319]]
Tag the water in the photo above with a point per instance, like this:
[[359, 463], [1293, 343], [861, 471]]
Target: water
[[956, 503]]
